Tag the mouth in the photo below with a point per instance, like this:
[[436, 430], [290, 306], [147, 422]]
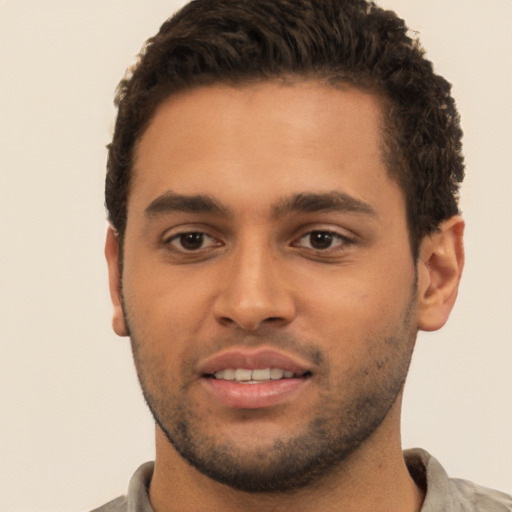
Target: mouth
[[254, 379], [256, 375]]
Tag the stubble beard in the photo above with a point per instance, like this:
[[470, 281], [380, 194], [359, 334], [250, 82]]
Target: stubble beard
[[322, 446]]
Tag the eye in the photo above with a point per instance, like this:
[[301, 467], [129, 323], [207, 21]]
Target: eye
[[322, 240], [192, 241]]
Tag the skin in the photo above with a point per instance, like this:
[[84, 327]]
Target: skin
[[349, 310]]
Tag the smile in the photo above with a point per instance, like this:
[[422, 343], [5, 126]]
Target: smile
[[255, 376]]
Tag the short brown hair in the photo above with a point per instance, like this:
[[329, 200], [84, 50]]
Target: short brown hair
[[341, 41]]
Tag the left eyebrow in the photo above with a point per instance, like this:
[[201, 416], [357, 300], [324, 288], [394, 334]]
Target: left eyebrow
[[317, 202], [170, 202]]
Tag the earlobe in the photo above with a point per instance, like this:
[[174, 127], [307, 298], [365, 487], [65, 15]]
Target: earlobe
[[114, 281], [441, 259]]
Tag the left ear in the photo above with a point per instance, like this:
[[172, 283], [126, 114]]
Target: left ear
[[440, 263]]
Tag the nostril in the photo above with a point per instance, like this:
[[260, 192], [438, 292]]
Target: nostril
[[225, 320], [249, 312]]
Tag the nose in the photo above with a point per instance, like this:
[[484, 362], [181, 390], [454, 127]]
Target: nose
[[254, 291]]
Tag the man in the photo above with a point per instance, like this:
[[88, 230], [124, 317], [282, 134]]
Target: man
[[282, 191]]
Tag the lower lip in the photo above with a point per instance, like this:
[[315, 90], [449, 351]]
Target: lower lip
[[253, 396]]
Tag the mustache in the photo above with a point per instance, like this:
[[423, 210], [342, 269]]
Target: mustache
[[264, 336]]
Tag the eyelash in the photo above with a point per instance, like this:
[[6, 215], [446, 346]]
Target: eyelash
[[331, 236], [336, 242], [181, 236]]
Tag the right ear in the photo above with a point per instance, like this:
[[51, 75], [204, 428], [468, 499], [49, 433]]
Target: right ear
[[114, 281]]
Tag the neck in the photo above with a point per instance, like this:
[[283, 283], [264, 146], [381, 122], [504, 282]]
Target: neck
[[374, 478]]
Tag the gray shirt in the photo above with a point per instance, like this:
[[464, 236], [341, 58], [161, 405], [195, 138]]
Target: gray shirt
[[443, 494]]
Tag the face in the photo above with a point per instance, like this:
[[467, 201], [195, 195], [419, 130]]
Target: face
[[268, 284]]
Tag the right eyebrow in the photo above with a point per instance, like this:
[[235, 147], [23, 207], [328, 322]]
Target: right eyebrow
[[170, 202]]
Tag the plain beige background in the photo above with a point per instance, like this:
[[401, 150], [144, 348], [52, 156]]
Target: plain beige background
[[73, 424]]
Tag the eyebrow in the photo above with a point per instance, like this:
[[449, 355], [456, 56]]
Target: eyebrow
[[307, 202], [170, 202], [316, 202]]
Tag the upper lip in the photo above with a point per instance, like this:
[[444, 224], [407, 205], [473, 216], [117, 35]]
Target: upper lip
[[253, 359]]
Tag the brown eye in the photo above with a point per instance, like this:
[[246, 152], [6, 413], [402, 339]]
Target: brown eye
[[321, 239], [192, 241]]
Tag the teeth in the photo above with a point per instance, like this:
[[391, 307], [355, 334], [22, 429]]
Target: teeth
[[228, 374], [276, 373], [242, 374], [260, 374], [256, 375]]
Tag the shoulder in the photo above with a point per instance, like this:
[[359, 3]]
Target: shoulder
[[451, 494], [476, 497], [118, 505], [137, 498]]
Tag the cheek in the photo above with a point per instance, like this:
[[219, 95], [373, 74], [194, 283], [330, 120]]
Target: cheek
[[354, 306], [166, 310], [155, 287], [351, 298]]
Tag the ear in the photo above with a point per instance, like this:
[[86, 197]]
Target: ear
[[441, 259], [114, 281]]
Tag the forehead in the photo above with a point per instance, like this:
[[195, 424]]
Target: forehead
[[267, 140]]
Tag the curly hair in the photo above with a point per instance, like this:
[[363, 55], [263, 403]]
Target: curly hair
[[354, 42]]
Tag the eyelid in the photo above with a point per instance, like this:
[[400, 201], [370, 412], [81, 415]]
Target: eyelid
[[183, 229], [343, 239], [173, 238], [334, 234], [335, 229], [176, 232]]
